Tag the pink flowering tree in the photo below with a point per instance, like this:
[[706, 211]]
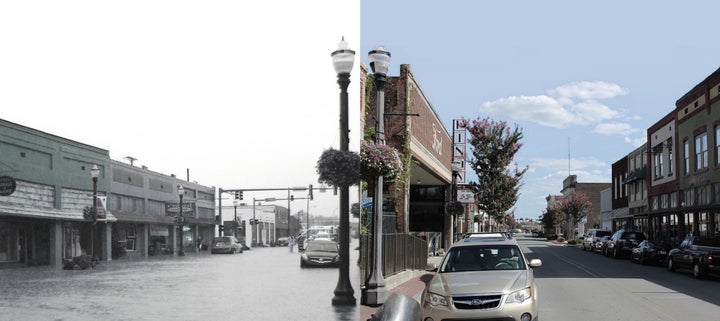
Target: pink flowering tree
[[494, 147], [573, 206]]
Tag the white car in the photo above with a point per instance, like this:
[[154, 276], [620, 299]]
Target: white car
[[482, 279]]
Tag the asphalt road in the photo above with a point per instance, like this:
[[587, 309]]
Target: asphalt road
[[578, 285]]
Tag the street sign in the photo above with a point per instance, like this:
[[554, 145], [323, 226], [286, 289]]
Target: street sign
[[7, 185], [465, 196], [460, 177], [459, 137], [456, 125], [458, 165], [459, 151]]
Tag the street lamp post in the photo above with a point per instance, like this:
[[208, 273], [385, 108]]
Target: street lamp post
[[253, 242], [181, 192], [235, 224], [343, 59], [95, 173], [375, 292]]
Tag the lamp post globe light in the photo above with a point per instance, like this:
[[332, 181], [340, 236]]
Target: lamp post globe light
[[94, 173], [343, 59], [180, 221], [375, 293]]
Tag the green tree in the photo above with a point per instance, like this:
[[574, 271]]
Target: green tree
[[494, 147]]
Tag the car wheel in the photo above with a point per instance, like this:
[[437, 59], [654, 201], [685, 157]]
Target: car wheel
[[642, 260], [698, 272], [670, 265]]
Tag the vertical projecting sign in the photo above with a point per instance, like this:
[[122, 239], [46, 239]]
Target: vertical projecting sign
[[459, 140]]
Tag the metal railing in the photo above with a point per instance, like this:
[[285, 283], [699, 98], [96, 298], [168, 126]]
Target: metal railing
[[400, 252]]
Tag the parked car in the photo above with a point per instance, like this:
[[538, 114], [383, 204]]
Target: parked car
[[225, 244], [599, 246], [699, 254], [648, 251], [482, 279], [283, 241], [320, 253], [622, 243], [592, 236]]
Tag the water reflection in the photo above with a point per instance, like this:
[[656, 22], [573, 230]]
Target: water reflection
[[262, 284]]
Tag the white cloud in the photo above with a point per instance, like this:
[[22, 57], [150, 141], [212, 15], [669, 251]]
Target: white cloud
[[588, 112], [589, 90], [561, 164], [543, 110], [572, 104], [610, 129]]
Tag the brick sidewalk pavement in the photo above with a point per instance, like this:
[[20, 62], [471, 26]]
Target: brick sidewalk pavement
[[412, 288]]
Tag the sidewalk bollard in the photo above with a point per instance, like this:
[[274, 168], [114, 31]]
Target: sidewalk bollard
[[398, 307]]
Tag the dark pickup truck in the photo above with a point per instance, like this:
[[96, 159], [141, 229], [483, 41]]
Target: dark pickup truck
[[697, 253]]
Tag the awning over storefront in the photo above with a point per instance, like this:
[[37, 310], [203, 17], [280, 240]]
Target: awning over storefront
[[636, 175], [159, 230], [49, 213], [620, 213], [161, 220]]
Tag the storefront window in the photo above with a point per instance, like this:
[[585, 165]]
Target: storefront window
[[703, 223], [689, 220], [71, 241], [9, 243]]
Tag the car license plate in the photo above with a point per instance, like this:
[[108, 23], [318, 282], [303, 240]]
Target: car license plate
[[661, 252]]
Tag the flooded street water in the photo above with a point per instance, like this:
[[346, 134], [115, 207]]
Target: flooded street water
[[261, 284]]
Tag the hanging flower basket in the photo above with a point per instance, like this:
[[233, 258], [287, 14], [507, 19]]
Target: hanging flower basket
[[454, 208], [338, 168], [379, 160]]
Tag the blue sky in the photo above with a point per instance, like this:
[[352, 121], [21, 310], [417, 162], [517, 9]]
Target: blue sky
[[583, 80]]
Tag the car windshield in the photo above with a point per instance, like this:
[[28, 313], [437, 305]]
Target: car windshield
[[482, 257], [322, 247], [222, 239], [602, 233]]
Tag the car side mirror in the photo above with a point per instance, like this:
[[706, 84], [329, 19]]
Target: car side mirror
[[535, 263], [431, 267]]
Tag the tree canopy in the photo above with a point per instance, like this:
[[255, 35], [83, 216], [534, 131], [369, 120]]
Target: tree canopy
[[494, 147]]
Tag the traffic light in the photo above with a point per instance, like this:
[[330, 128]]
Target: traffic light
[[239, 195], [292, 198], [310, 194]]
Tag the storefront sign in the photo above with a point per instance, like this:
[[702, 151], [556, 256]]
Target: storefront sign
[[172, 209], [7, 185]]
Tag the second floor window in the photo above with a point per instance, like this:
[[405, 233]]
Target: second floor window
[[701, 151], [670, 157], [686, 154], [658, 165], [717, 145]]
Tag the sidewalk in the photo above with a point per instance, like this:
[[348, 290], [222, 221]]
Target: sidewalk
[[410, 283]]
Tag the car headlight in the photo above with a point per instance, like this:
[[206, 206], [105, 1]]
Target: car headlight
[[304, 257], [435, 299], [519, 296]]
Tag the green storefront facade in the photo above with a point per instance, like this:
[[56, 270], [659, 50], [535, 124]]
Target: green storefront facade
[[41, 218]]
